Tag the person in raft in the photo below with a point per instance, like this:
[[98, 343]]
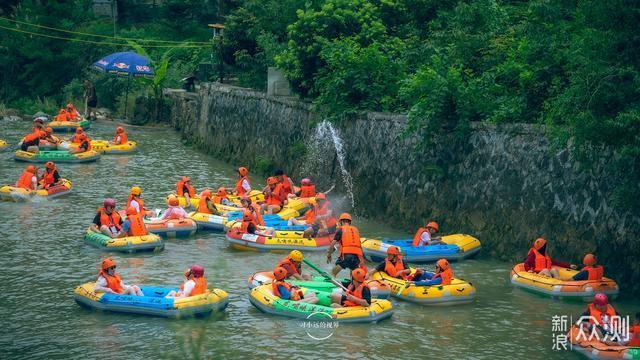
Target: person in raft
[[590, 271], [306, 190], [85, 145], [31, 141], [51, 176], [110, 282], [319, 218], [396, 267], [222, 197], [120, 137], [135, 200], [247, 204], [274, 196], [348, 237], [174, 211], [600, 317], [77, 136], [186, 189], [73, 113], [107, 220], [133, 225], [29, 178], [539, 261], [427, 235], [249, 226], [358, 292], [634, 332], [206, 204], [286, 291], [50, 137], [195, 283], [242, 186], [287, 183], [62, 116], [293, 265]]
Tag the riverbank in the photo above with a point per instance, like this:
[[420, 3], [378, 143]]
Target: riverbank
[[504, 184]]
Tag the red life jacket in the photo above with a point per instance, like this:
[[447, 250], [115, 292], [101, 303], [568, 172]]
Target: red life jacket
[[542, 261], [634, 333], [25, 180], [113, 281], [595, 272], [446, 276], [295, 294], [49, 178], [393, 269], [307, 191], [350, 241], [180, 189], [291, 268], [597, 314], [239, 189], [112, 220], [137, 199], [136, 226], [418, 235], [353, 291]]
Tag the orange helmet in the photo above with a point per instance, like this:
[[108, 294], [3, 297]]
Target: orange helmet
[[131, 210], [272, 180], [222, 191], [589, 260], [345, 216], [433, 225], [107, 263], [185, 178], [279, 273], [393, 250], [247, 216], [443, 264], [539, 243], [119, 129], [243, 171], [206, 193], [31, 169], [50, 165], [321, 196], [79, 130], [49, 130], [358, 275], [173, 201]]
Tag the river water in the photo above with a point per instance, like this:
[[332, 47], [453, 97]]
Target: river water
[[43, 257]]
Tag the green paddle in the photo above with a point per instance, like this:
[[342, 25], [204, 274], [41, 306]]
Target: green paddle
[[324, 274]]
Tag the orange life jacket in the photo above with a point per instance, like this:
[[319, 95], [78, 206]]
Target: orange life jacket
[[634, 333], [307, 191], [112, 220], [286, 185], [35, 135], [275, 196], [218, 199], [350, 241], [49, 178], [291, 268], [88, 141], [255, 210], [136, 226], [137, 199], [295, 294], [324, 210], [595, 272], [25, 180], [239, 189], [76, 139], [202, 205], [244, 227], [353, 291], [446, 276], [200, 287], [597, 314], [393, 269], [180, 189], [542, 261], [113, 281], [123, 138], [63, 115], [418, 235]]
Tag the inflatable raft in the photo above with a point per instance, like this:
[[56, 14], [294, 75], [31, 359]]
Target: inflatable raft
[[153, 303], [262, 298], [255, 196], [294, 208], [69, 126], [458, 247], [562, 288], [208, 221], [278, 225], [104, 147], [3, 145], [379, 289], [456, 293], [151, 242], [172, 228], [12, 193], [57, 156], [594, 349], [283, 240]]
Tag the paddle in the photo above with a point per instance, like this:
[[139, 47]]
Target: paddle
[[324, 274]]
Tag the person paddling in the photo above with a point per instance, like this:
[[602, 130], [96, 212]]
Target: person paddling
[[293, 265]]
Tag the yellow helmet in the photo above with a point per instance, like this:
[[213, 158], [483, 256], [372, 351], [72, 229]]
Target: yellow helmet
[[296, 256], [136, 191]]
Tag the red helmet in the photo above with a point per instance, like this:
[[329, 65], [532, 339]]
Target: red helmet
[[247, 216], [433, 225], [131, 210], [539, 243], [306, 181], [280, 273], [79, 130], [393, 250], [243, 171], [119, 129], [601, 299], [589, 260], [107, 263], [358, 275], [222, 191], [443, 264], [197, 270], [109, 203], [272, 180], [50, 165]]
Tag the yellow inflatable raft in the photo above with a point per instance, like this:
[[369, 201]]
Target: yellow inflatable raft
[[3, 144], [562, 288], [456, 293], [281, 241], [12, 193], [151, 242], [104, 147]]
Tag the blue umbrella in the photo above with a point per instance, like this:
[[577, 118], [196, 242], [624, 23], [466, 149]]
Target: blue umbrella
[[126, 64]]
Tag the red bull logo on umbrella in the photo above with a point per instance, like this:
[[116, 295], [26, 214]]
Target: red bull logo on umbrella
[[121, 65], [143, 68]]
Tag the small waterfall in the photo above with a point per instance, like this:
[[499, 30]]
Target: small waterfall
[[324, 150]]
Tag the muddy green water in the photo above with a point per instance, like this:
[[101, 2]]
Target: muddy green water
[[43, 257]]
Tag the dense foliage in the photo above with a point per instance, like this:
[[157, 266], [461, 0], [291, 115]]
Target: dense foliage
[[572, 65]]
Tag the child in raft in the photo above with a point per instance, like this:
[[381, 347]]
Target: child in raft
[[174, 211], [249, 226], [110, 282], [195, 283], [286, 291]]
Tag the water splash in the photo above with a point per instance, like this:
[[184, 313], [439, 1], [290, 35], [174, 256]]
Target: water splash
[[320, 158]]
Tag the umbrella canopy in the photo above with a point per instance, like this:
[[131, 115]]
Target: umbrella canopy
[[126, 63]]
